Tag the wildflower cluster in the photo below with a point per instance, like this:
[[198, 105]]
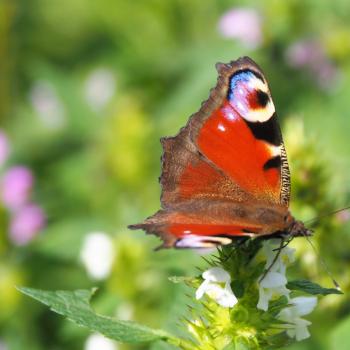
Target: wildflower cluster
[[246, 300], [26, 218]]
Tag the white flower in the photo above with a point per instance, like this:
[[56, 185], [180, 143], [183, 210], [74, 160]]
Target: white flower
[[125, 311], [286, 256], [273, 285], [304, 305], [47, 104], [297, 326], [99, 342], [216, 285], [3, 346], [99, 88], [97, 254], [243, 24]]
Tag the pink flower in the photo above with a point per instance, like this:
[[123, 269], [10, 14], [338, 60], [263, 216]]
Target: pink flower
[[26, 223], [304, 53], [310, 55], [343, 216], [243, 24], [4, 148], [16, 186], [47, 104], [3, 345]]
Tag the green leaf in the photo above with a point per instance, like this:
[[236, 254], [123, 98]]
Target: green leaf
[[76, 307], [238, 288], [275, 306], [311, 288]]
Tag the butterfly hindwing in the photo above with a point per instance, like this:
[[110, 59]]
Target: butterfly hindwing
[[225, 174], [216, 222]]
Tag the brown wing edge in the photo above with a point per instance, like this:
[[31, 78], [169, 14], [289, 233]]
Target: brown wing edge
[[153, 225], [285, 177], [187, 134], [225, 71], [185, 137]]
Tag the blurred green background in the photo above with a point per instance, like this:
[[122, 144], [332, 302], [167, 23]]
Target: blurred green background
[[87, 88]]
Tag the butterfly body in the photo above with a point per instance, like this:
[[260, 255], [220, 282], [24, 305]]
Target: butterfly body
[[225, 175]]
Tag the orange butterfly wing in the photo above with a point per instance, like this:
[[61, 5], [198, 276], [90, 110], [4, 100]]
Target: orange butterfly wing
[[225, 174]]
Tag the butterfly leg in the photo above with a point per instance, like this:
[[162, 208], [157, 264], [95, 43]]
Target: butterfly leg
[[239, 243], [279, 250], [286, 242]]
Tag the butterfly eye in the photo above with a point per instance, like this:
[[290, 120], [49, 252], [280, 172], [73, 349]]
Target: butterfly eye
[[250, 97], [262, 98]]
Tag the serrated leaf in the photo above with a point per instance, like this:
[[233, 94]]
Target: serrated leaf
[[311, 287], [76, 307]]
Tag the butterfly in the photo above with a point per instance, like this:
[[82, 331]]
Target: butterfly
[[225, 175]]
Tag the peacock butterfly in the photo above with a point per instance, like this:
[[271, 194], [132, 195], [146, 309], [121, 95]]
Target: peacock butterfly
[[225, 174]]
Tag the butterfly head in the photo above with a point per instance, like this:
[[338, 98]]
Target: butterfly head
[[297, 229]]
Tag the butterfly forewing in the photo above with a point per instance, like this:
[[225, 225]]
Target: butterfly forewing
[[226, 173]]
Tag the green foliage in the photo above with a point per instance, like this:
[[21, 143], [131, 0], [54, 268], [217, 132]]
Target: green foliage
[[213, 326], [243, 326], [76, 307], [339, 339], [311, 288], [96, 168]]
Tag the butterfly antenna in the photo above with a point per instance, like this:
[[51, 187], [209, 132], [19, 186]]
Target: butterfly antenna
[[317, 218], [325, 266]]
